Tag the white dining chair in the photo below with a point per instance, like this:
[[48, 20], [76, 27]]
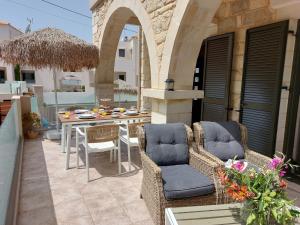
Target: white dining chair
[[128, 135], [100, 138]]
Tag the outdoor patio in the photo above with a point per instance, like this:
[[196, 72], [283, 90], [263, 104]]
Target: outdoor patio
[[51, 195]]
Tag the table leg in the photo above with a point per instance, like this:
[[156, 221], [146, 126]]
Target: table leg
[[63, 138], [68, 131]]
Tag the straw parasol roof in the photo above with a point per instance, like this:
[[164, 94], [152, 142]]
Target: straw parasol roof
[[51, 48]]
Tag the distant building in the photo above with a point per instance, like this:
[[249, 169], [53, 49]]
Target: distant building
[[126, 67], [127, 61]]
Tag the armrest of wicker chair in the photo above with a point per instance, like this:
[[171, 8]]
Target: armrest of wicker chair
[[208, 168], [152, 187], [256, 158]]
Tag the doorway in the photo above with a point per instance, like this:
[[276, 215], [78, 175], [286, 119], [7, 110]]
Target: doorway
[[262, 80], [213, 75]]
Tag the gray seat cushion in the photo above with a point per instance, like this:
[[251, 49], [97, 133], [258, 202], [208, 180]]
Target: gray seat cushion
[[223, 139], [183, 181], [166, 144]]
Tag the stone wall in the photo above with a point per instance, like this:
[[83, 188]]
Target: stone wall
[[160, 12], [238, 16]]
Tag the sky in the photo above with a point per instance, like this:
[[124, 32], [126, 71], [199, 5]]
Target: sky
[[17, 13]]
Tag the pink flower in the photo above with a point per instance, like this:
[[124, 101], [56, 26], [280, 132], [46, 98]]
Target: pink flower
[[239, 166], [275, 163], [282, 173]]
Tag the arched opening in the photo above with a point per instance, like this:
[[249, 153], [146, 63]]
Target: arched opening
[[188, 29], [116, 17]]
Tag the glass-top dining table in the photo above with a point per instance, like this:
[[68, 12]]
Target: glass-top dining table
[[73, 120]]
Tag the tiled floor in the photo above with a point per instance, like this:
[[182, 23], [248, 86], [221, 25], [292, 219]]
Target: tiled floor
[[51, 195]]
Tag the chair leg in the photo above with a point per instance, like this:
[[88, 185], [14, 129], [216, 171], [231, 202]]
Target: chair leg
[[77, 150], [129, 157], [87, 167], [111, 156], [119, 157]]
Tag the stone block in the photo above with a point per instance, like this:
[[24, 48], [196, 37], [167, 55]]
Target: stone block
[[228, 24], [223, 11], [257, 17], [239, 6], [255, 4]]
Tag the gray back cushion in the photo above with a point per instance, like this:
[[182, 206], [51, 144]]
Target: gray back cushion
[[166, 144], [223, 139]]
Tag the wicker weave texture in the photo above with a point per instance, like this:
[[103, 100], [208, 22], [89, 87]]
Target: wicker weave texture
[[102, 133], [152, 186]]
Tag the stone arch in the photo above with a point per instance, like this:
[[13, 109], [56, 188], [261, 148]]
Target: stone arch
[[188, 27], [118, 13]]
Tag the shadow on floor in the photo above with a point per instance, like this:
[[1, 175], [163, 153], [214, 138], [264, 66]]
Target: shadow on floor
[[36, 202]]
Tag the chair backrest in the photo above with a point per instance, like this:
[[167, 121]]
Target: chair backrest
[[223, 139], [132, 129], [167, 144], [102, 133]]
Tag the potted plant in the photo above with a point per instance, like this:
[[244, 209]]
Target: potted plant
[[262, 191], [31, 123]]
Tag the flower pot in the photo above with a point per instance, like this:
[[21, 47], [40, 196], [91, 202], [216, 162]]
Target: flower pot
[[32, 134]]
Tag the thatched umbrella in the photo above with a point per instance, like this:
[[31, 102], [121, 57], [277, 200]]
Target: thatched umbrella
[[50, 48]]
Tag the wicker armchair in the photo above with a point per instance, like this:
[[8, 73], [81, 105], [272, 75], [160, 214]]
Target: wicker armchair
[[152, 190], [252, 157]]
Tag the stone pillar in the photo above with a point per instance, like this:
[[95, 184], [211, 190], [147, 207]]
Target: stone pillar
[[38, 91], [172, 111], [104, 90], [145, 81]]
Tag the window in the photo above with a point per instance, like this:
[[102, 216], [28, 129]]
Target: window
[[2, 76], [122, 77], [28, 76], [122, 52]]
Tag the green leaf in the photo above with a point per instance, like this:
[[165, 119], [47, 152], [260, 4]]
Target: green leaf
[[251, 218], [272, 194]]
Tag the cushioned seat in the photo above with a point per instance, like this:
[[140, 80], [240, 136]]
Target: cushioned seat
[[167, 144], [183, 181], [223, 139]]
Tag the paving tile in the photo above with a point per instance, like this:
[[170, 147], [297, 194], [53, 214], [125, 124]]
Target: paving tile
[[83, 220], [40, 216], [100, 201], [137, 211], [67, 210], [112, 216]]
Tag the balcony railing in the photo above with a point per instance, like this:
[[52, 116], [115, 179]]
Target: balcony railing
[[10, 152]]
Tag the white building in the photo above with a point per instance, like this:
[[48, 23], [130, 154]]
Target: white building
[[127, 66]]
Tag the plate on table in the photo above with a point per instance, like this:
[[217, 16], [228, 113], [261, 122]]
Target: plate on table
[[115, 116], [144, 112], [87, 116], [80, 111], [131, 113]]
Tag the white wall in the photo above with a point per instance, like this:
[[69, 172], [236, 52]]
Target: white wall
[[130, 63]]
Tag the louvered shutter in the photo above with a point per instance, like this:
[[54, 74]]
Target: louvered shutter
[[263, 70], [217, 74]]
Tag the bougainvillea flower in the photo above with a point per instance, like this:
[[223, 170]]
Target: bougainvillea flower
[[239, 166], [276, 161], [282, 173]]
